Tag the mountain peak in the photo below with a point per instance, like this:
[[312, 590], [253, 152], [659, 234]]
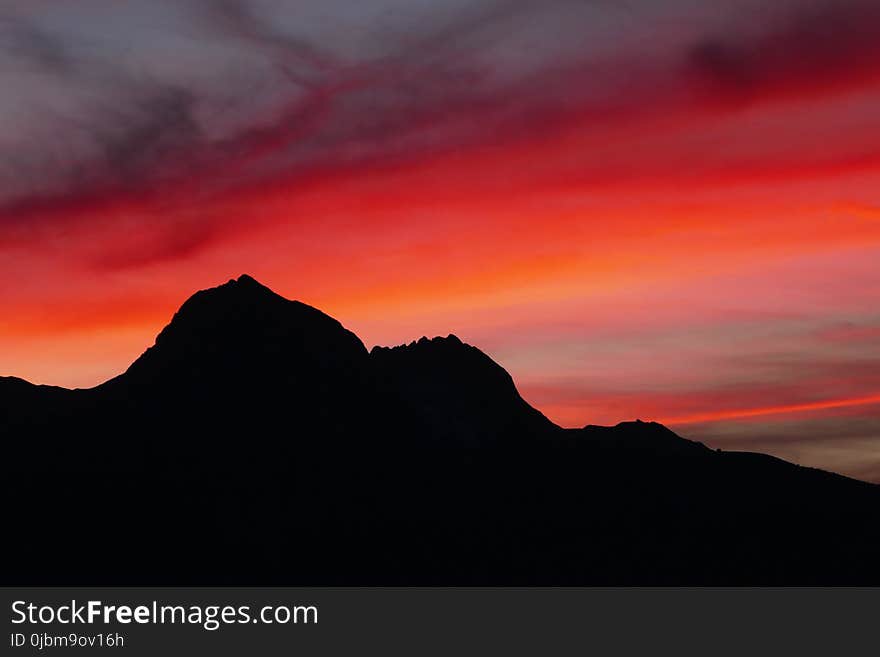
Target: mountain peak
[[241, 287], [424, 343], [642, 436], [244, 327], [245, 282], [454, 385]]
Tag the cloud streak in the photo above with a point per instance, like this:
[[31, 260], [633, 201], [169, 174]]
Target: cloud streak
[[811, 47], [453, 82]]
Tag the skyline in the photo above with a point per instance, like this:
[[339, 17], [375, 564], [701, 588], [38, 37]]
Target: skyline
[[667, 213]]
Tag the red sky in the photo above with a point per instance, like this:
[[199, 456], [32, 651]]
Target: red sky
[[668, 214]]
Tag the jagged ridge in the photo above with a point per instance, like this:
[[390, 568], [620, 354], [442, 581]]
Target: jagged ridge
[[258, 442]]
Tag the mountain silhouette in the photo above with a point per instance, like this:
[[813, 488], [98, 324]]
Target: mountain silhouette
[[259, 442]]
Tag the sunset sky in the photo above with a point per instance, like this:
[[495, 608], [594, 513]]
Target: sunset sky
[[657, 210]]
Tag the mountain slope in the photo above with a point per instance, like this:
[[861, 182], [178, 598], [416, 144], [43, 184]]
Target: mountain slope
[[258, 442], [454, 395]]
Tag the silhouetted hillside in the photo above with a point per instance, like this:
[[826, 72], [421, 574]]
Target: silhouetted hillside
[[258, 442], [454, 395]]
